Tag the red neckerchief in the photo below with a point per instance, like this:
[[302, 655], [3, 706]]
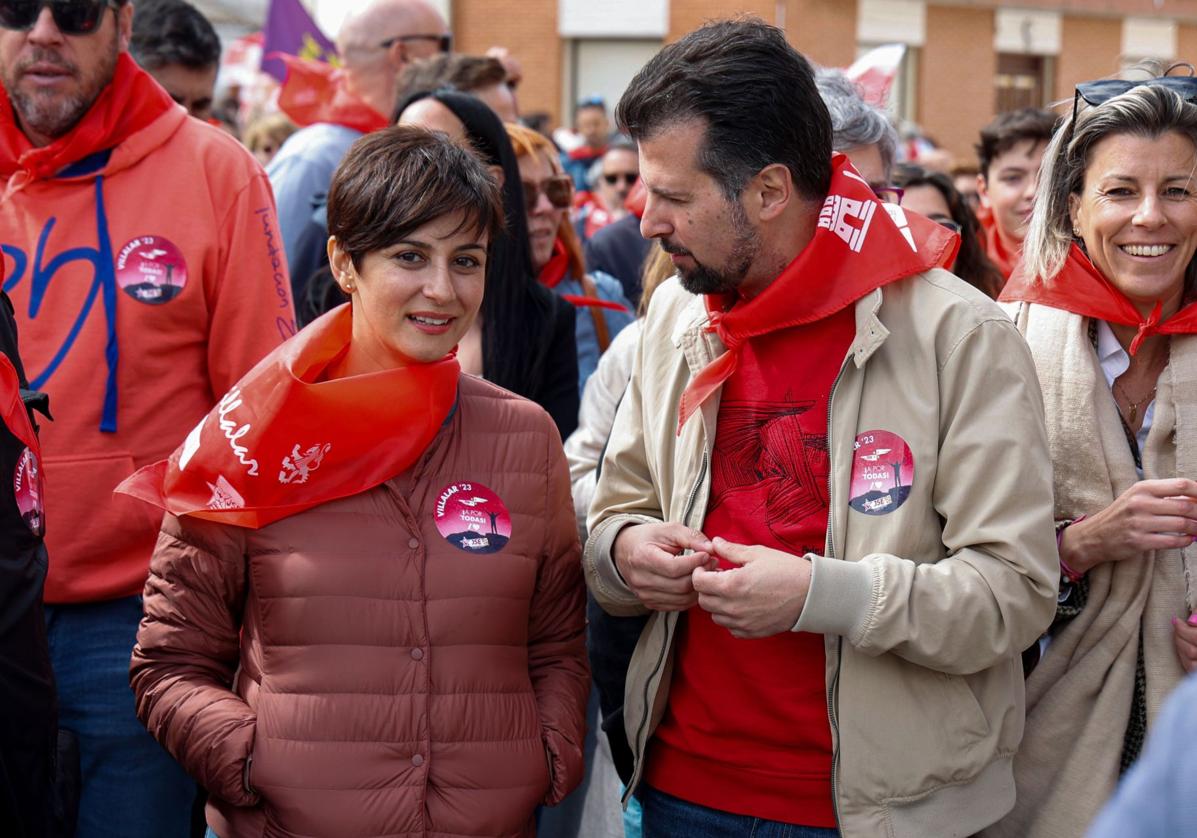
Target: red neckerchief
[[126, 105], [557, 268], [282, 441], [585, 152], [859, 245], [1080, 288], [315, 92], [994, 249]]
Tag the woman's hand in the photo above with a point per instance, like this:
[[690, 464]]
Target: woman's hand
[[1150, 515], [1185, 635]]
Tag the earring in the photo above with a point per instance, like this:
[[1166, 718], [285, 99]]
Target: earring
[[346, 284]]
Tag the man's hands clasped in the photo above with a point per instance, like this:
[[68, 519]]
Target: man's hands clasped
[[761, 597]]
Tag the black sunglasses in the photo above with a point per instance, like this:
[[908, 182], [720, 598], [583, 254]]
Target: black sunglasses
[[72, 17], [1103, 90], [444, 42], [629, 178]]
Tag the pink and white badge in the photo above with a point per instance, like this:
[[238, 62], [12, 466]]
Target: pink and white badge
[[29, 492], [151, 270], [882, 473], [472, 518]]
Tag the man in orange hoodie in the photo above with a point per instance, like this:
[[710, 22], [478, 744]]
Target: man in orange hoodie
[[143, 257]]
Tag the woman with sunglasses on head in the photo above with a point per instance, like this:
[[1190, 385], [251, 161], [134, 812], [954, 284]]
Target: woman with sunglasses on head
[[365, 611], [523, 337], [932, 194], [557, 255], [1105, 300]]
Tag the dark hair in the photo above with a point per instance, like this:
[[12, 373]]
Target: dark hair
[[1011, 128], [755, 93], [393, 181], [460, 72], [972, 265], [173, 32], [518, 313]]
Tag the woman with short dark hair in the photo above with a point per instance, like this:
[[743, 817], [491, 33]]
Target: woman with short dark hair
[[365, 613]]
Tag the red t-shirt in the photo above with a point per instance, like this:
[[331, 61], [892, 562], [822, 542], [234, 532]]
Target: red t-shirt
[[746, 729]]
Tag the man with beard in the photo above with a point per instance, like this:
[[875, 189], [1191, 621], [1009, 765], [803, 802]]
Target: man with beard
[[145, 266], [828, 482]]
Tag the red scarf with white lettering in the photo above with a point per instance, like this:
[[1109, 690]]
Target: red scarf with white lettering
[[315, 92], [860, 244], [283, 440], [1081, 288], [126, 105]]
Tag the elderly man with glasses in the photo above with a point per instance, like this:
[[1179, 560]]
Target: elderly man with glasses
[[375, 45]]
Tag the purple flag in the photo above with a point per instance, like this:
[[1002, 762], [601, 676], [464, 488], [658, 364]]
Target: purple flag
[[290, 29]]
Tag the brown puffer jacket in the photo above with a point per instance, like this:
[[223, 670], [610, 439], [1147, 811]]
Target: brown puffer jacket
[[387, 682]]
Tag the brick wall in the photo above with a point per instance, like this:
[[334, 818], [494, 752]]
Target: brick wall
[[1186, 43], [956, 91], [1089, 49], [528, 28], [823, 30], [687, 15]]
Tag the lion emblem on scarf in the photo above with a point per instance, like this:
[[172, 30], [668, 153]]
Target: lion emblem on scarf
[[297, 467]]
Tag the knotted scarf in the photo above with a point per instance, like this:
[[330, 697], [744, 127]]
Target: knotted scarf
[[127, 104], [996, 251], [859, 245], [1081, 289], [283, 440], [557, 268]]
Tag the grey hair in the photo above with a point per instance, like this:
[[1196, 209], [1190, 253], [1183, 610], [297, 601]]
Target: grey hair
[[1145, 111], [854, 122]]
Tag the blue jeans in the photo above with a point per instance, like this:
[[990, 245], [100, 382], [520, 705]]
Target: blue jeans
[[666, 816], [132, 788]]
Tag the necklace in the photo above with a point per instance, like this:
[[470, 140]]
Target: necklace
[[1134, 405]]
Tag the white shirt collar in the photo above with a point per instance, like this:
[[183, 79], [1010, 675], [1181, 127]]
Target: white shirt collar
[[1114, 359]]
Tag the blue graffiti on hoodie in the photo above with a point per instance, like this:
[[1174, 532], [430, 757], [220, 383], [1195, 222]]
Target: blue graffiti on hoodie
[[103, 285]]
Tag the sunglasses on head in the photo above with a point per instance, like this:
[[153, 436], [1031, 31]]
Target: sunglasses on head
[[1103, 90], [72, 17], [559, 190], [628, 178]]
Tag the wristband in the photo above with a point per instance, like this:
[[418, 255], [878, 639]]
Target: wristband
[[1070, 574]]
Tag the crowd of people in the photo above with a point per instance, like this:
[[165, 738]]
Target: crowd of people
[[724, 467]]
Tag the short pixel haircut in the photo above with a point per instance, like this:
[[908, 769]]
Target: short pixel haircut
[[172, 32], [1011, 128], [394, 181]]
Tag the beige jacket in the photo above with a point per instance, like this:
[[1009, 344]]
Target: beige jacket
[[925, 609]]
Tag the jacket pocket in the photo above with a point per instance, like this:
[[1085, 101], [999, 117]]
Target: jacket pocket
[[905, 729]]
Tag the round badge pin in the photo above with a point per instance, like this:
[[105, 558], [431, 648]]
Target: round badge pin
[[151, 270], [29, 492], [882, 472], [472, 518]]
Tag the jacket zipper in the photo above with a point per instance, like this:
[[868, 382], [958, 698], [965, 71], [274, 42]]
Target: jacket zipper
[[702, 470], [833, 688]]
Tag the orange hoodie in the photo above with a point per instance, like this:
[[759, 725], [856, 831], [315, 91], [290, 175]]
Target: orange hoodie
[[146, 279]]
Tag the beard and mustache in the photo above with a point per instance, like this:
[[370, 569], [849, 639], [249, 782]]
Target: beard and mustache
[[707, 279], [52, 113]]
